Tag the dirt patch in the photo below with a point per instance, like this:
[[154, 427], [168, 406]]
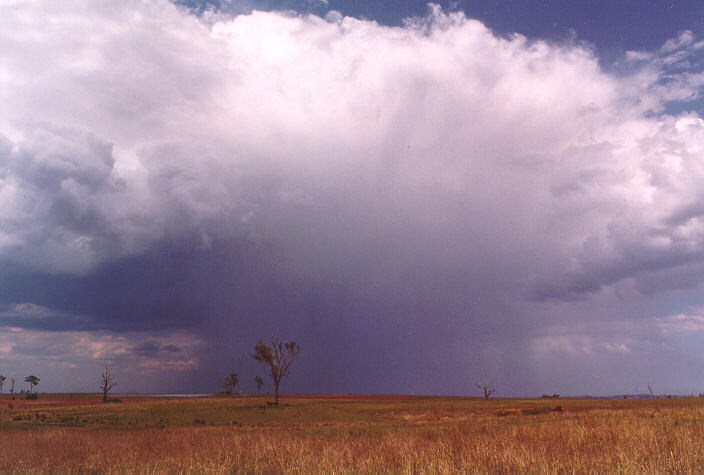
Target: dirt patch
[[415, 417], [527, 411]]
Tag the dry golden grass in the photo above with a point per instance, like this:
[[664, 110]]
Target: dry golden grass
[[440, 434]]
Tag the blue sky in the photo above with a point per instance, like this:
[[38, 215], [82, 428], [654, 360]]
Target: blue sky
[[423, 196], [610, 26]]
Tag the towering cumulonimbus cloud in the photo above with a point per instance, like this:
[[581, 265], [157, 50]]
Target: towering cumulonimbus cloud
[[382, 160]]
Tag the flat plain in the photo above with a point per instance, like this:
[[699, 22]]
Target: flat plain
[[350, 433]]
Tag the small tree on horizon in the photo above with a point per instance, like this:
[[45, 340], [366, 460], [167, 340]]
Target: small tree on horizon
[[107, 382], [260, 383], [12, 385], [228, 382], [278, 356], [2, 381], [484, 386], [32, 380]]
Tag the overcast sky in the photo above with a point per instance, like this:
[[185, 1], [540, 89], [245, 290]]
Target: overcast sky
[[421, 195]]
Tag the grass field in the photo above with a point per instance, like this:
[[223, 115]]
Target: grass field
[[351, 433]]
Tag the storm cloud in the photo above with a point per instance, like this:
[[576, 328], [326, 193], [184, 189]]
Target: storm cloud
[[411, 203]]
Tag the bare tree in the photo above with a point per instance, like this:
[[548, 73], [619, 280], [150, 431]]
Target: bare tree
[[228, 382], [484, 386], [2, 381], [12, 385], [260, 383], [278, 356], [32, 380], [107, 382]]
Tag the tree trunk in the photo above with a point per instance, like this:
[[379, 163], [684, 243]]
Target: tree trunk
[[105, 394], [276, 394]]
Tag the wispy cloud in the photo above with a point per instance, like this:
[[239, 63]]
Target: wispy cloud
[[682, 323], [144, 352]]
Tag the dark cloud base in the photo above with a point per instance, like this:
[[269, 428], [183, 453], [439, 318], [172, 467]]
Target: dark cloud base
[[353, 340]]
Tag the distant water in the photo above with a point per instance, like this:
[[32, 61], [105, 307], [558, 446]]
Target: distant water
[[180, 395]]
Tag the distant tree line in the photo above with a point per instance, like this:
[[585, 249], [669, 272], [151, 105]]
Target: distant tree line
[[31, 380], [107, 383], [228, 383], [276, 355]]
